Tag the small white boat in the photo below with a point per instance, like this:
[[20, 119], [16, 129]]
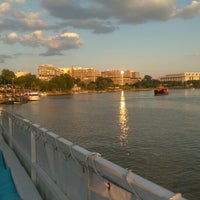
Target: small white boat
[[33, 96]]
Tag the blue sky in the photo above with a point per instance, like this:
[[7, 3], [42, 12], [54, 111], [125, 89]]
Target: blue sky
[[154, 37]]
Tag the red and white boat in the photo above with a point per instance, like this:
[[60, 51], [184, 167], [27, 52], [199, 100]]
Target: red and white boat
[[161, 90]]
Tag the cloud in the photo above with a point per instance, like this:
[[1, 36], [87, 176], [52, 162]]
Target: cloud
[[4, 7], [17, 1], [99, 16], [20, 1], [127, 11], [12, 18], [90, 24], [190, 11], [196, 54], [55, 44], [4, 57], [87, 14]]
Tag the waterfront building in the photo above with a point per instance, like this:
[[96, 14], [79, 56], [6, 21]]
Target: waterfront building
[[84, 74], [21, 73], [47, 72], [186, 76], [121, 77]]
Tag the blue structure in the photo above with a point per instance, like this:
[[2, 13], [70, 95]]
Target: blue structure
[[7, 187]]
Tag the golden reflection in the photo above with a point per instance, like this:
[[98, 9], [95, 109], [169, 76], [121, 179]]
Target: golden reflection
[[123, 121]]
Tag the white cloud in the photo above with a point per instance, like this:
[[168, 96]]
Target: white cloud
[[31, 20], [4, 7], [100, 16], [16, 19], [190, 11], [55, 44], [12, 36]]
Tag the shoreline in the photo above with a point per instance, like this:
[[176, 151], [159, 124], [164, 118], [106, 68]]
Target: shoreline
[[105, 91], [94, 91]]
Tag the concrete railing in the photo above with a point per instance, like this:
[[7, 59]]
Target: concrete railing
[[62, 170]]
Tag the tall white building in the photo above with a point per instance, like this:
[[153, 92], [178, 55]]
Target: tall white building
[[187, 76], [47, 72]]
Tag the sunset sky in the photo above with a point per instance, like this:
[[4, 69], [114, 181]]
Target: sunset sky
[[154, 37]]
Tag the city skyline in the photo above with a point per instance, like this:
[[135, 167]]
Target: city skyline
[[151, 37]]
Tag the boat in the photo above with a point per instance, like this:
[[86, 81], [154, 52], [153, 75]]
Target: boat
[[33, 96], [161, 90]]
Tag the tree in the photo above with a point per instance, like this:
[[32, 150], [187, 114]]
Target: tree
[[43, 85], [79, 83], [103, 83], [7, 76], [63, 82], [27, 81], [147, 82], [91, 85], [147, 77]]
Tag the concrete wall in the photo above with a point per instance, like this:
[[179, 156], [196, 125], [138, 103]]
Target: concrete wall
[[62, 170]]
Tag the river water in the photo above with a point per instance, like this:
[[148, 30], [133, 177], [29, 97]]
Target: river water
[[157, 137]]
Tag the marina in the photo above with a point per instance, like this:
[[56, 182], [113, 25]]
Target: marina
[[11, 95]]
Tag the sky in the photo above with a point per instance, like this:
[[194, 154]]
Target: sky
[[153, 37]]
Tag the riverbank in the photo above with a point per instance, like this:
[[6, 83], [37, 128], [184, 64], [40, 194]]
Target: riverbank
[[95, 91]]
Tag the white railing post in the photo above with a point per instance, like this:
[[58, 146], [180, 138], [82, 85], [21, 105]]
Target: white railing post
[[10, 132], [33, 152], [1, 123]]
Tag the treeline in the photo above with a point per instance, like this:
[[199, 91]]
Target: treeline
[[65, 83], [62, 83]]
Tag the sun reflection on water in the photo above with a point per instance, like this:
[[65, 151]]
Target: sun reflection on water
[[123, 121]]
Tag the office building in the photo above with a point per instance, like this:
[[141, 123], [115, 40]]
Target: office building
[[183, 77]]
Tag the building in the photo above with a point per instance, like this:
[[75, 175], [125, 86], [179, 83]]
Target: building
[[84, 74], [47, 72], [121, 77], [183, 77], [20, 73]]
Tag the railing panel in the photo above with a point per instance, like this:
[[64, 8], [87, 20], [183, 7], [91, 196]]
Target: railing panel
[[71, 174]]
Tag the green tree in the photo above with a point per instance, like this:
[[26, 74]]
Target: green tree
[[63, 82], [147, 77], [147, 82], [80, 83], [91, 85], [43, 85], [28, 81], [103, 83], [7, 76], [193, 83]]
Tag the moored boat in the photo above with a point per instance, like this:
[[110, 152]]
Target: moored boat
[[33, 96], [161, 90]]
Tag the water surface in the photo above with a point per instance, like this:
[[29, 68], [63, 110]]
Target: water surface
[[156, 137]]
